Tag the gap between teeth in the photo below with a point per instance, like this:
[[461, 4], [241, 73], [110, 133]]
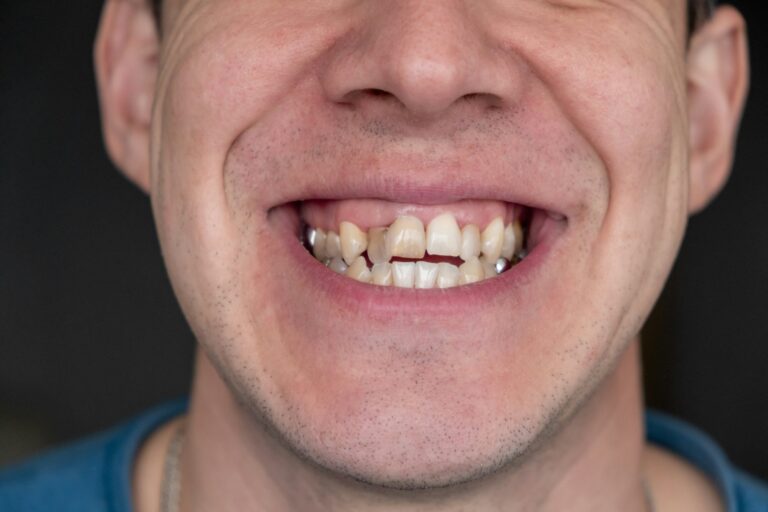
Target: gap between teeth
[[485, 254]]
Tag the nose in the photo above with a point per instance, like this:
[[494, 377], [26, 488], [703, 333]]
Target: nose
[[428, 55]]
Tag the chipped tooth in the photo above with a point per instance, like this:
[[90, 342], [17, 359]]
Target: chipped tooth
[[510, 241], [492, 239], [426, 274], [444, 236], [471, 271], [405, 238], [382, 274], [501, 265], [470, 242], [358, 270], [332, 245], [518, 229], [337, 265], [403, 274], [317, 241], [447, 275], [377, 245], [354, 241]]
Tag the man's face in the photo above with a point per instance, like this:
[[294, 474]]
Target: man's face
[[268, 110]]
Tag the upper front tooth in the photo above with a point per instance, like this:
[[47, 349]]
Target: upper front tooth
[[470, 242], [510, 242], [358, 270], [492, 239], [518, 229], [403, 273], [332, 245], [354, 241], [489, 268], [405, 238], [377, 245], [426, 274], [337, 265], [444, 236]]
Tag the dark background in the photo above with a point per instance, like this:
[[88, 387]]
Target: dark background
[[89, 329]]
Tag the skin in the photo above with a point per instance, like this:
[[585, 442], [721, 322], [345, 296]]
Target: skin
[[303, 400]]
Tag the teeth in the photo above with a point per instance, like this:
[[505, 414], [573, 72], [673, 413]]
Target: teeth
[[332, 245], [403, 274], [510, 241], [447, 275], [405, 238], [382, 274], [492, 239], [358, 270], [426, 274], [377, 245], [337, 265], [317, 241], [354, 241], [471, 271], [444, 236], [486, 254], [470, 242]]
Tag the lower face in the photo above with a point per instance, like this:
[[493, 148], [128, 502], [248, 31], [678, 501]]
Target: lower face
[[418, 372]]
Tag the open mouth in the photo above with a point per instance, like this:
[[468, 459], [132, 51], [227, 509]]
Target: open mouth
[[382, 243]]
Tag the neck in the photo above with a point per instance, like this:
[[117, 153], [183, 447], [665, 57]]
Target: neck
[[592, 463]]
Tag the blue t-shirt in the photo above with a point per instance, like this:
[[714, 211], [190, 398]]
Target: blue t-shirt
[[94, 475]]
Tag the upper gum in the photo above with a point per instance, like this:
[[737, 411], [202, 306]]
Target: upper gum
[[371, 213]]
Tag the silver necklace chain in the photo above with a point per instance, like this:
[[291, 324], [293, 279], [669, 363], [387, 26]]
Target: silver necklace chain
[[171, 485]]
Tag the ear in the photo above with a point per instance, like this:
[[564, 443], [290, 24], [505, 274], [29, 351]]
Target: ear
[[717, 73], [125, 57]]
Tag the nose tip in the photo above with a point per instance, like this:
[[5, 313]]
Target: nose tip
[[425, 55]]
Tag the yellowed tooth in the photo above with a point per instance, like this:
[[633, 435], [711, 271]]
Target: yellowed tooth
[[510, 241], [492, 239], [405, 238], [489, 268], [354, 241], [447, 275], [443, 236], [518, 229], [377, 245], [470, 242], [471, 271], [318, 244], [426, 274], [403, 274], [359, 271], [332, 245], [337, 265], [382, 274]]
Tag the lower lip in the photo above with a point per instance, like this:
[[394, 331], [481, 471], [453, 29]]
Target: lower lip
[[388, 302]]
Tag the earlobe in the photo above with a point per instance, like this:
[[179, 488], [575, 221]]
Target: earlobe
[[125, 57], [717, 73]]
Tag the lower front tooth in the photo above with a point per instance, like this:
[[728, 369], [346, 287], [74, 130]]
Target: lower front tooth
[[489, 269], [358, 270], [382, 274], [426, 274], [471, 271], [403, 274], [447, 275], [337, 265]]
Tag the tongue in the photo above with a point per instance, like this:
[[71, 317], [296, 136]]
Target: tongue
[[372, 213]]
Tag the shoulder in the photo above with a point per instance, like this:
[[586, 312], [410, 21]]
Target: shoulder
[[739, 492], [86, 476]]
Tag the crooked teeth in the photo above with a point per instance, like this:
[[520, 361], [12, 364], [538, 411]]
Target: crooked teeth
[[444, 236], [405, 238], [485, 254], [354, 241]]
